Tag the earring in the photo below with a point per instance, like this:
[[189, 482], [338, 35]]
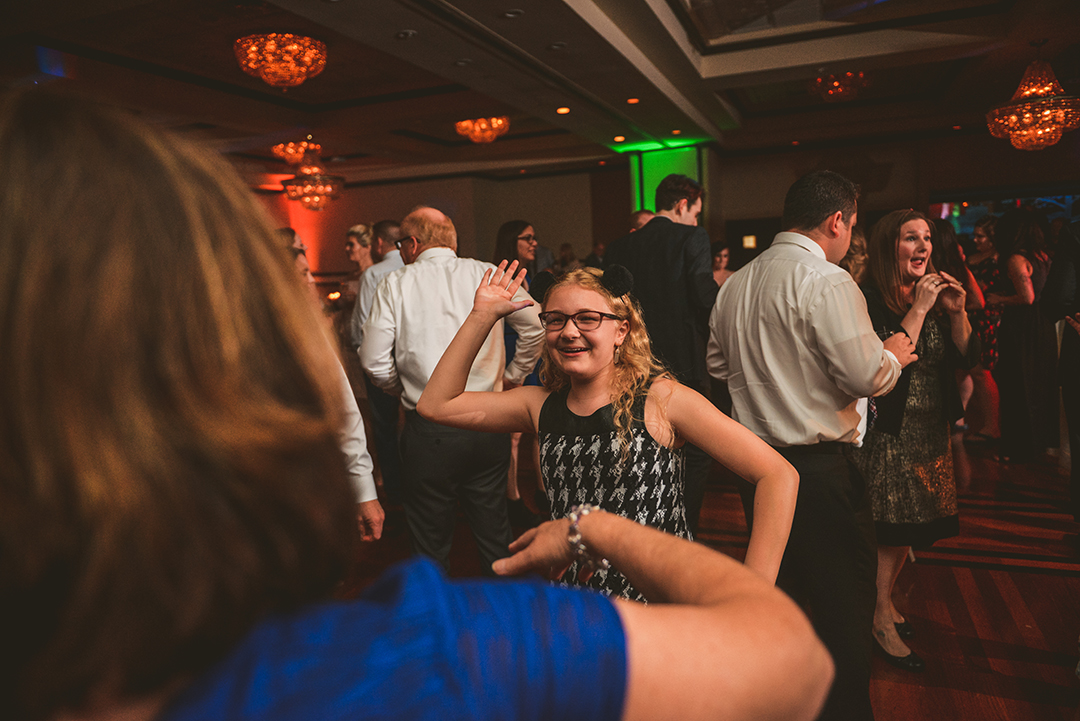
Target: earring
[[618, 353]]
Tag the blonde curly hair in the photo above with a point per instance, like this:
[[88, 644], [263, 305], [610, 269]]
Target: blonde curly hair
[[636, 368]]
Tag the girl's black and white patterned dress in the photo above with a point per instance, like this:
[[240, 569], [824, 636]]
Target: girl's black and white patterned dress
[[581, 462]]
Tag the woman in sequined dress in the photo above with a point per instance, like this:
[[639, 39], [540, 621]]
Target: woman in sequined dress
[[906, 457], [611, 420]]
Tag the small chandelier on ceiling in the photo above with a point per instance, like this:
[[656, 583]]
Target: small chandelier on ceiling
[[283, 60], [311, 186], [841, 86], [483, 130], [1038, 112], [293, 153]]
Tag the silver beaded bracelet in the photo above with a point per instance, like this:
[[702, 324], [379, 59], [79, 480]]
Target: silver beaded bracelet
[[574, 539]]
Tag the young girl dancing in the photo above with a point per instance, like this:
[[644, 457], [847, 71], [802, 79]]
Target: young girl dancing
[[611, 421]]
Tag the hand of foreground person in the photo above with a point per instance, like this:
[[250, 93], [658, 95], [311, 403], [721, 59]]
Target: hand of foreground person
[[716, 640], [1074, 321], [900, 345]]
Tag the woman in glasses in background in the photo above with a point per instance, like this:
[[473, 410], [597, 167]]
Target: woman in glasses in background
[[611, 420]]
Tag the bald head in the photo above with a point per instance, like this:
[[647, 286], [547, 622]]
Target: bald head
[[431, 228]]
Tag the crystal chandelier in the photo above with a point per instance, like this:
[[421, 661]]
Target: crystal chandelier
[[293, 153], [283, 60], [842, 86], [483, 130], [1038, 112], [311, 185]]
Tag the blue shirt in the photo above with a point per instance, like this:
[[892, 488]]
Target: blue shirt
[[416, 646]]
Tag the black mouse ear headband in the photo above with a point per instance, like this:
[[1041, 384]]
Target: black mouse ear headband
[[617, 280]]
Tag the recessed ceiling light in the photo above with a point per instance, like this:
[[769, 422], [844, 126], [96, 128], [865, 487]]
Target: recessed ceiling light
[[604, 162], [676, 132], [405, 34], [512, 14], [522, 171], [619, 138], [956, 127], [562, 111], [794, 142], [632, 101], [557, 46]]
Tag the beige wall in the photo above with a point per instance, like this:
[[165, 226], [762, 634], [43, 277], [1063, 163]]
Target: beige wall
[[560, 207], [892, 175]]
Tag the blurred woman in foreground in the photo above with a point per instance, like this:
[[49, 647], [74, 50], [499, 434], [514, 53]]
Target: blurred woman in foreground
[[174, 510]]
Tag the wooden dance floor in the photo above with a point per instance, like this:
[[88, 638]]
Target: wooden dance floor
[[996, 610]]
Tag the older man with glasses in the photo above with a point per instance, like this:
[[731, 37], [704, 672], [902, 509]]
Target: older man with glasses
[[416, 313]]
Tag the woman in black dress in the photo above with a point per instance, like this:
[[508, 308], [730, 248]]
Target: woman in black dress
[[906, 456], [1026, 371]]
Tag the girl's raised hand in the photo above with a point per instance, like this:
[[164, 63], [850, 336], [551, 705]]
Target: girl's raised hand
[[495, 296]]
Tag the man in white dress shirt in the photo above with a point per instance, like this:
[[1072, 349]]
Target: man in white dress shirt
[[416, 313], [384, 406], [791, 336]]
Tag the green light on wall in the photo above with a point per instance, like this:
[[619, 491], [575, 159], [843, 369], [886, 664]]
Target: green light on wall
[[648, 168], [649, 145]]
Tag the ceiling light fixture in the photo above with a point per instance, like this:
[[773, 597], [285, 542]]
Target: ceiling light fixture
[[293, 153], [483, 130], [283, 60], [632, 101], [562, 111], [842, 86], [311, 186], [619, 138], [1038, 112]]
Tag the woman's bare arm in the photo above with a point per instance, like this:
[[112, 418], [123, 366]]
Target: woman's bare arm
[[1019, 269], [718, 641]]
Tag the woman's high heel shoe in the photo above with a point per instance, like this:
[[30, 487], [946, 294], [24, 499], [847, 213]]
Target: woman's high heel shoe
[[912, 662], [905, 630]]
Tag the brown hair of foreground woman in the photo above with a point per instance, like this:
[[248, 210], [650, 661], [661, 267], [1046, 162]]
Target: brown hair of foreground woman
[[169, 468], [170, 482]]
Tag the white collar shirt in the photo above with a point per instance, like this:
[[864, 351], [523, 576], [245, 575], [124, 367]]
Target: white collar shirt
[[791, 336], [365, 296], [416, 313]]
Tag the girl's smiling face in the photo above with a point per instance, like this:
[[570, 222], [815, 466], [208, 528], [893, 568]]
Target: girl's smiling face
[[583, 353]]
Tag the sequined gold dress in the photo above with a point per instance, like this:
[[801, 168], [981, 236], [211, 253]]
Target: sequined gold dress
[[910, 475]]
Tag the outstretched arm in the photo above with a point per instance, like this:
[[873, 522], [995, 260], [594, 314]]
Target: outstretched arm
[[445, 400], [718, 641], [698, 421]]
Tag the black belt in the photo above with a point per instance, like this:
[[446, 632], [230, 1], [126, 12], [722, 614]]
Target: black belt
[[825, 448]]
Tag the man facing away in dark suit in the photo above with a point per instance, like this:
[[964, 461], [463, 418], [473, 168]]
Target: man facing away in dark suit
[[670, 260]]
